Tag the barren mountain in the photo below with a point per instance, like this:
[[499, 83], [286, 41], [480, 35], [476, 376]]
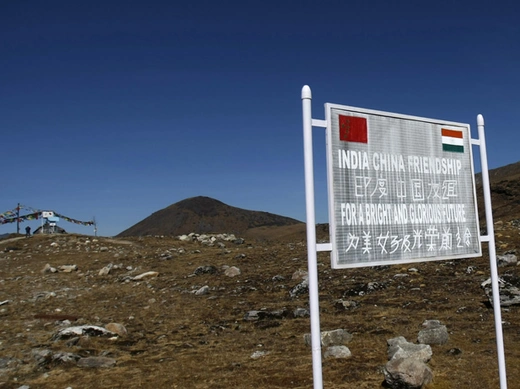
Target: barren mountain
[[203, 215], [505, 192]]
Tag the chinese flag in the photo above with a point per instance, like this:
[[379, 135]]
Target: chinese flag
[[353, 129]]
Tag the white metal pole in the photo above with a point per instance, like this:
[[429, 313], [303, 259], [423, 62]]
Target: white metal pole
[[312, 261], [492, 253]]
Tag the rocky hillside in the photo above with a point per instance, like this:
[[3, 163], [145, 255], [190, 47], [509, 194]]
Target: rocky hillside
[[202, 215], [505, 192], [165, 312], [226, 311]]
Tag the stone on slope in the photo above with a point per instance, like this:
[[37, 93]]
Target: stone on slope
[[96, 362], [85, 330], [433, 333], [407, 373]]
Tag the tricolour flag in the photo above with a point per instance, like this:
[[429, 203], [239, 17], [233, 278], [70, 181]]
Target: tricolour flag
[[452, 140], [353, 129]]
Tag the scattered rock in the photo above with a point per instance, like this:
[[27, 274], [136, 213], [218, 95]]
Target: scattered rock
[[433, 333], [73, 341], [254, 315], [300, 275], [65, 358], [205, 270], [259, 354], [67, 268], [406, 368], [399, 348], [507, 259], [301, 312], [265, 314], [508, 288], [202, 291], [42, 356], [106, 270], [407, 373], [301, 288], [232, 271], [117, 328], [346, 304], [149, 274], [49, 269], [86, 330], [103, 362], [454, 351], [337, 352], [7, 362]]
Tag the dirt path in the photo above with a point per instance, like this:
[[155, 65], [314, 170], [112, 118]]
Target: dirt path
[[11, 239]]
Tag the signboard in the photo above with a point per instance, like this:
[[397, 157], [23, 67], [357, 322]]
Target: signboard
[[47, 214], [401, 188]]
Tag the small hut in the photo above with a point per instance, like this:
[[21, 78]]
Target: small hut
[[49, 228]]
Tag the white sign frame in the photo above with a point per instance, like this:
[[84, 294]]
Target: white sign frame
[[407, 140], [313, 247]]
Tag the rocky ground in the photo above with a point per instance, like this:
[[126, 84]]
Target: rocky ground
[[158, 312]]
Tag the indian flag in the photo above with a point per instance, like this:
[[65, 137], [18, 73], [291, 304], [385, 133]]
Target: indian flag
[[452, 140]]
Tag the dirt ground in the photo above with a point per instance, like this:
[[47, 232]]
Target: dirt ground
[[181, 339]]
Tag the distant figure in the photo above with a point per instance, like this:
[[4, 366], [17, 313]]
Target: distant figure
[[27, 232]]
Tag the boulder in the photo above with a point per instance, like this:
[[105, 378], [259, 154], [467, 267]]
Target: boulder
[[202, 291], [508, 288], [407, 373], [400, 348], [508, 259], [433, 333], [232, 271], [117, 328], [337, 352], [301, 288], [85, 330]]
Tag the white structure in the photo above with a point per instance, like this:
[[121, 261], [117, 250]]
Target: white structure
[[401, 190]]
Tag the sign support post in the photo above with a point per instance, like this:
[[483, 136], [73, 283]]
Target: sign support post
[[354, 217], [311, 239], [490, 238]]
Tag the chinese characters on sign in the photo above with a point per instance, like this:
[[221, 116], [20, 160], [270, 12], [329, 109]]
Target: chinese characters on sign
[[401, 188]]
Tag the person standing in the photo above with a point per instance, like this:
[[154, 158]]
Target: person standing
[[27, 232]]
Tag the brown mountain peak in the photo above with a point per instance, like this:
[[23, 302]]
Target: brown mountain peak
[[203, 214]]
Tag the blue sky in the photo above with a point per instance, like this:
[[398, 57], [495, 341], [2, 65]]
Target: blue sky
[[117, 109]]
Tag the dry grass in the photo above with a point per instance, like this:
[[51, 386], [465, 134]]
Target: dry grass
[[180, 340]]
